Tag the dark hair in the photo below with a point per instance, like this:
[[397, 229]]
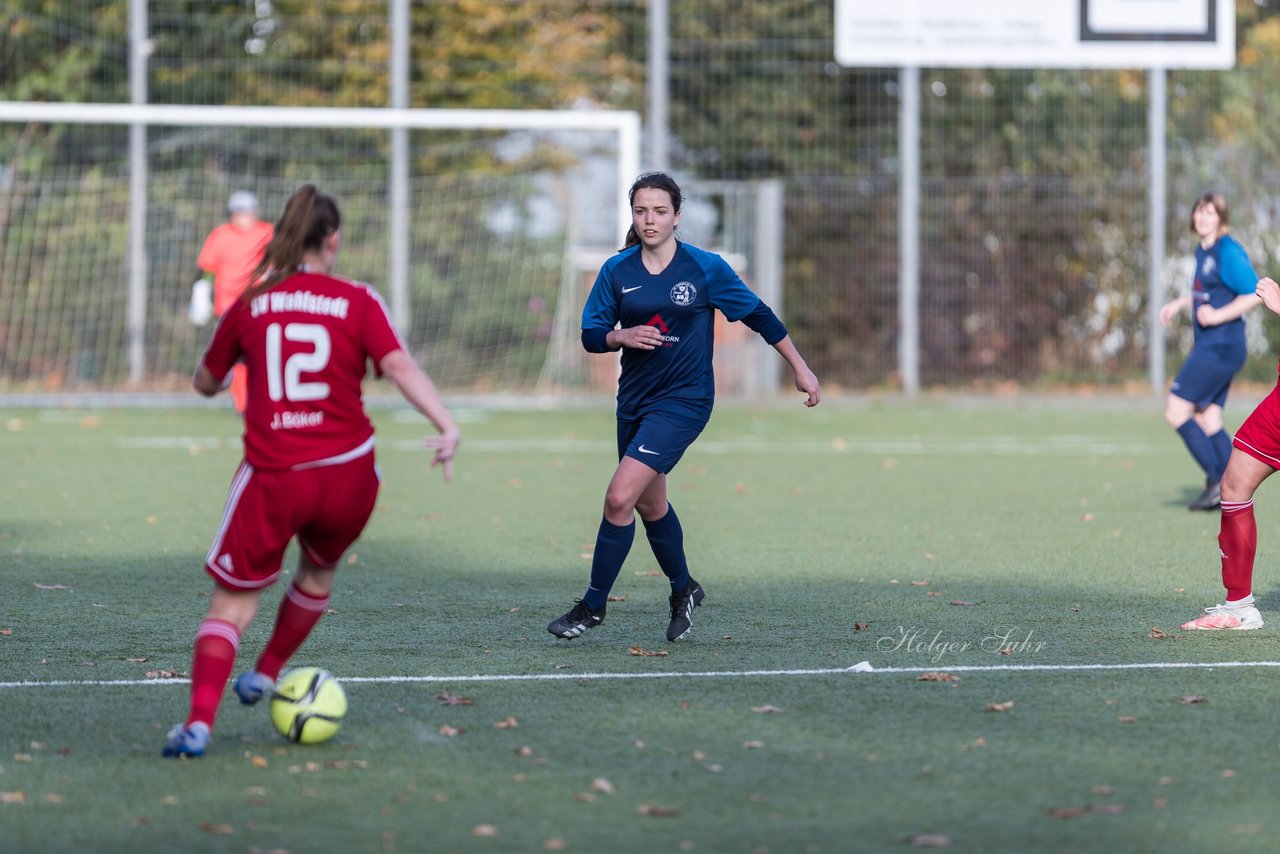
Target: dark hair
[[1215, 200], [309, 217], [652, 181]]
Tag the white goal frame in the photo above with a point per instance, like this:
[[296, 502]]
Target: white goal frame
[[625, 124]]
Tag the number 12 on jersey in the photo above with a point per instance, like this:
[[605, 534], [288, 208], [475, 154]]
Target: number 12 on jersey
[[284, 381]]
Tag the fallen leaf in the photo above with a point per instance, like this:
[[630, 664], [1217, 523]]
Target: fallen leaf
[[1194, 698], [53, 798], [1068, 812], [621, 598], [524, 750], [637, 650], [962, 602], [39, 586], [136, 660], [509, 722], [657, 811], [555, 844], [447, 699], [1000, 707], [1086, 517], [933, 593], [753, 745], [6, 631], [930, 840], [449, 732], [1102, 790], [935, 676], [165, 674], [1158, 634], [923, 583], [585, 798], [766, 709], [858, 627], [484, 830], [1127, 719], [217, 829], [601, 785], [259, 762], [13, 797]]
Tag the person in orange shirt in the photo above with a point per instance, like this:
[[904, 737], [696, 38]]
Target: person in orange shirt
[[229, 256]]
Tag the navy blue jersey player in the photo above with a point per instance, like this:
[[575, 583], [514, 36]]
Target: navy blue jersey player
[[656, 301], [1223, 291]]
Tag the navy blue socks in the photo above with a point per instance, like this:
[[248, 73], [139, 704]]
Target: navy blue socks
[[613, 542], [666, 538], [1221, 442], [1201, 448]]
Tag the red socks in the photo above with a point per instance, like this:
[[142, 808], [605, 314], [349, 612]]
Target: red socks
[[298, 615], [215, 654], [1238, 542]]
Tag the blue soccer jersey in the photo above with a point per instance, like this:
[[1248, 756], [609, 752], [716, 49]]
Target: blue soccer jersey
[[680, 302], [1223, 272]]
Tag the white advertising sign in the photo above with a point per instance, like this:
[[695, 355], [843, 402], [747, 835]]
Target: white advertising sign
[[1036, 33]]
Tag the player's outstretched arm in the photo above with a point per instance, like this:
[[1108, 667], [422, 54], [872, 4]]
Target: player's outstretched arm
[[206, 383], [420, 391], [1269, 292], [806, 380]]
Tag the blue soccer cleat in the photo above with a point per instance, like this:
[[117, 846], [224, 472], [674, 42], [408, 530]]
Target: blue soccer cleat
[[253, 686], [187, 740]]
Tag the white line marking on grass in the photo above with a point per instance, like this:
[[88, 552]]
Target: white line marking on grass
[[914, 446], [861, 667]]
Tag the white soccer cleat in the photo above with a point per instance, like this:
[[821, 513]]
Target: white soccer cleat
[[1224, 617]]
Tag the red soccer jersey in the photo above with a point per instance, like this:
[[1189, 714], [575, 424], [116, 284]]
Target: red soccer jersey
[[306, 343]]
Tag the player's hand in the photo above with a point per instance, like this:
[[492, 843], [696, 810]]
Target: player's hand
[[1169, 311], [445, 446], [638, 337], [1269, 292], [1207, 315], [807, 382], [200, 309]]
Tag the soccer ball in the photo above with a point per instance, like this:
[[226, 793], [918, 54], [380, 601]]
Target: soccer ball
[[307, 705]]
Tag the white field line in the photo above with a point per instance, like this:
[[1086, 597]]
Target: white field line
[[856, 670], [1062, 446]]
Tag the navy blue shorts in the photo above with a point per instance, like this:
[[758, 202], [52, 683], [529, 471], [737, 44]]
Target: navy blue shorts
[[658, 440], [1206, 376]]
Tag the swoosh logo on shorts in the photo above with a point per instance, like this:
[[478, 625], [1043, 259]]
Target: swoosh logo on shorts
[[629, 290], [642, 449]]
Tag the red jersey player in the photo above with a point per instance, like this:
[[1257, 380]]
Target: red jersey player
[[306, 338]]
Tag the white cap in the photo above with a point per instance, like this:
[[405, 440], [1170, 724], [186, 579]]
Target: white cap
[[242, 200]]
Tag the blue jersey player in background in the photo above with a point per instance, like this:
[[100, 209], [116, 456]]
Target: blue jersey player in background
[[1223, 291], [656, 301]]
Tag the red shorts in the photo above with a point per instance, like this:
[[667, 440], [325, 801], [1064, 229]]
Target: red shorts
[[326, 507], [1259, 435]]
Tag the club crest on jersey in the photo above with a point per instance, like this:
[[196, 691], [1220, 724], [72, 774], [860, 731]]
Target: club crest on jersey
[[684, 293], [1208, 266]]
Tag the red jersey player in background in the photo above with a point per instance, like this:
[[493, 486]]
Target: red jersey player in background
[[305, 337], [229, 256]]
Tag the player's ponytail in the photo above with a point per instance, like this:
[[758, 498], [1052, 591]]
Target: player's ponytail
[[652, 181], [309, 217]]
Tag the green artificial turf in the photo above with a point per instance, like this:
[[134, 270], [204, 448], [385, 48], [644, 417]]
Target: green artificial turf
[[1031, 560]]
